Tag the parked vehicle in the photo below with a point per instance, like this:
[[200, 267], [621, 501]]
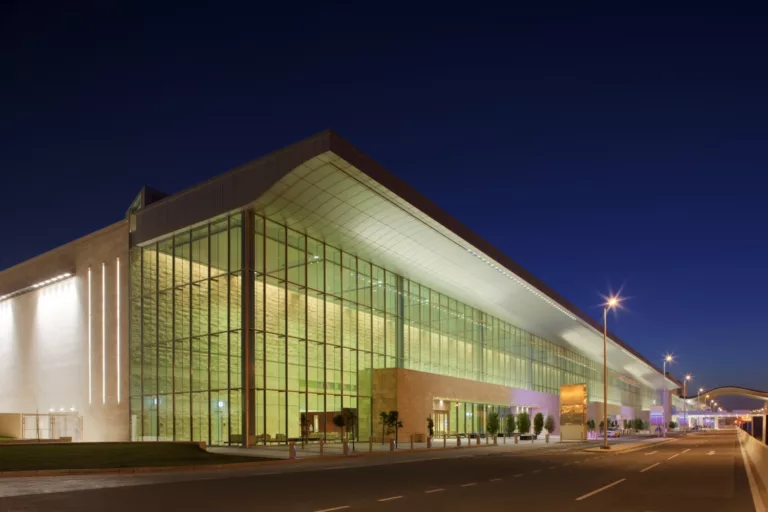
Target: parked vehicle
[[614, 432]]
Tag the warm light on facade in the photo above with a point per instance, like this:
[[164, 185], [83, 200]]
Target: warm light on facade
[[103, 333], [117, 331], [90, 337]]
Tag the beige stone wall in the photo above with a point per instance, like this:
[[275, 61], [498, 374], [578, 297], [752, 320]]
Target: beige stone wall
[[44, 357], [412, 394], [10, 425]]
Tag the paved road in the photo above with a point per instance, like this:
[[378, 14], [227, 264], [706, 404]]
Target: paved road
[[701, 471]]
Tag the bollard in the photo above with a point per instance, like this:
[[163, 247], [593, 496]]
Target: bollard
[[477, 441], [458, 442], [445, 440], [370, 443], [505, 439], [487, 440], [515, 438], [345, 447], [392, 445], [429, 442], [291, 450], [411, 442], [321, 447], [495, 440]]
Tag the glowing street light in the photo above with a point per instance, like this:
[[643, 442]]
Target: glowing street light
[[667, 359], [685, 403], [611, 303]]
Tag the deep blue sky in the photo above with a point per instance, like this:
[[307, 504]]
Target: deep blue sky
[[598, 149]]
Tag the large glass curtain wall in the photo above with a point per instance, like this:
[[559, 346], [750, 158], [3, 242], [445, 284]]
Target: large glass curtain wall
[[323, 321], [185, 336]]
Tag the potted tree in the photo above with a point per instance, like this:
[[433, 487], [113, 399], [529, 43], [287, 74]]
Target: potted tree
[[304, 424], [510, 425], [493, 425], [538, 425], [384, 422], [591, 426], [524, 426], [394, 423], [338, 420], [430, 430], [549, 424], [349, 422]]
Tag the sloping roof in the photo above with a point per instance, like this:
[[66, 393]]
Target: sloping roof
[[320, 184]]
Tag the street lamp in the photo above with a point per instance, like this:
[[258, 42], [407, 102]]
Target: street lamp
[[611, 303], [667, 359], [685, 401], [698, 398]]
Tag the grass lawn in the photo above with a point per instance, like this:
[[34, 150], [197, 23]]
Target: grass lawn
[[109, 455]]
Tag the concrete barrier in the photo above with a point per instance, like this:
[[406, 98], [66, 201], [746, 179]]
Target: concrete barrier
[[757, 453]]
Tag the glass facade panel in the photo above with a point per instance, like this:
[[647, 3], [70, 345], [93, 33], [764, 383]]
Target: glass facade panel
[[322, 321]]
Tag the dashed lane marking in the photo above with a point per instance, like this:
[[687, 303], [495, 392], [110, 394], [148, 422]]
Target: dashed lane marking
[[651, 453], [433, 490], [536, 470], [650, 467], [495, 480], [672, 457], [617, 482], [334, 508], [518, 475], [390, 498], [469, 484]]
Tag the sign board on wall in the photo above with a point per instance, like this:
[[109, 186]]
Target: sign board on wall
[[573, 412]]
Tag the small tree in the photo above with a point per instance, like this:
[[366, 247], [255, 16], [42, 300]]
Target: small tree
[[591, 425], [304, 424], [538, 423], [338, 420], [524, 423], [493, 425], [509, 424], [602, 424], [672, 425], [384, 422], [394, 423], [549, 424], [431, 427], [350, 419]]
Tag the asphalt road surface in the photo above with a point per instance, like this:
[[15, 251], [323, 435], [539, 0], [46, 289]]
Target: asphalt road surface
[[702, 471]]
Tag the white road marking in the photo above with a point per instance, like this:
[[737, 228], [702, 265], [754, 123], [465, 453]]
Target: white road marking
[[390, 498], [649, 467], [536, 470], [334, 508], [672, 457], [712, 452], [651, 453], [686, 450], [433, 490], [469, 484], [495, 480], [617, 482], [551, 467], [518, 475]]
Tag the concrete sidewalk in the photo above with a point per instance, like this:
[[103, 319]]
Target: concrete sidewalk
[[312, 450]]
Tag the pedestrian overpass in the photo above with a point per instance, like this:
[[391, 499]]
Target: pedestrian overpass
[[730, 391]]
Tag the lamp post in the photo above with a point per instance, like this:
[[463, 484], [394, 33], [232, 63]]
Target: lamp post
[[612, 302], [667, 359], [685, 401]]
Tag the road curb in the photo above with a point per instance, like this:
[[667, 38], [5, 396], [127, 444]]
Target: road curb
[[628, 450]]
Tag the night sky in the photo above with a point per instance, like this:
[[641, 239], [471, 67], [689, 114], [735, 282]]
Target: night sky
[[601, 150]]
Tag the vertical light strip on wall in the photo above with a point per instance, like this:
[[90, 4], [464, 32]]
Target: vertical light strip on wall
[[90, 339], [117, 332], [103, 333]]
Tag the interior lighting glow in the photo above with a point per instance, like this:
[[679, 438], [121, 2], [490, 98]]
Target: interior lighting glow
[[103, 334]]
